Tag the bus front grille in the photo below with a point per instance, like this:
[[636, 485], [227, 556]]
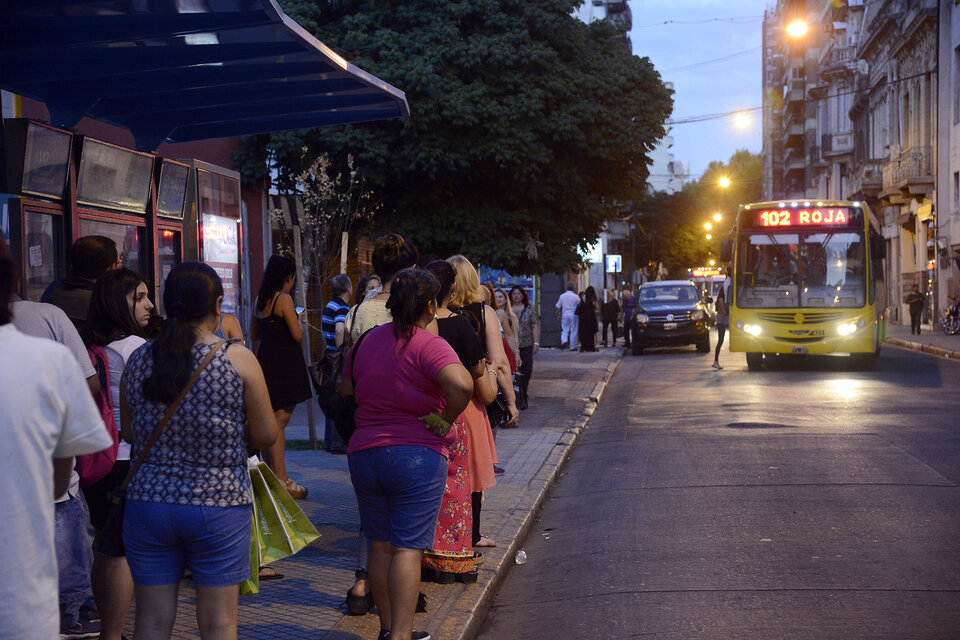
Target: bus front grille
[[799, 317]]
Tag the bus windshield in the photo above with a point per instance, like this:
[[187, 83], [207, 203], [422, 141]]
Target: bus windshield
[[801, 270]]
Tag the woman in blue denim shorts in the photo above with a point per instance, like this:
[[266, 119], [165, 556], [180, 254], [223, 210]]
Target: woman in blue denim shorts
[[410, 387], [189, 503]]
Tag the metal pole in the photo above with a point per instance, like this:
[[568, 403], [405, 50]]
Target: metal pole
[[305, 343]]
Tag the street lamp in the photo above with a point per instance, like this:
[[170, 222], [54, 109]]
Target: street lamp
[[797, 29], [709, 237], [741, 120], [717, 217], [724, 182], [707, 226]]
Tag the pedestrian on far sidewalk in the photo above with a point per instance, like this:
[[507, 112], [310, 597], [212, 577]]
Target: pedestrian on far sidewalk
[[567, 315], [915, 300], [629, 305], [611, 318], [587, 320]]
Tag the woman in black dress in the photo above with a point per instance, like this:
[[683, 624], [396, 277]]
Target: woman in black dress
[[277, 326], [587, 317]]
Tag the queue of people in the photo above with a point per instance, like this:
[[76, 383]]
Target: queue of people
[[178, 404]]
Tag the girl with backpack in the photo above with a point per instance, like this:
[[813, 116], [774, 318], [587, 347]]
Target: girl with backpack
[[116, 322]]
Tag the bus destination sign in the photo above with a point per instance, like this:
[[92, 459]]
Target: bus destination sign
[[831, 217]]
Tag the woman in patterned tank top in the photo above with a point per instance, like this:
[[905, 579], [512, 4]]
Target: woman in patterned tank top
[[189, 503]]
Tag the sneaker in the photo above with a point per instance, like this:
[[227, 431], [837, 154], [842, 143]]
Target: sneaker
[[716, 365], [81, 629], [498, 471]]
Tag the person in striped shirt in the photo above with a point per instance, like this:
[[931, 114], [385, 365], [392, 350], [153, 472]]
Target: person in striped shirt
[[333, 324]]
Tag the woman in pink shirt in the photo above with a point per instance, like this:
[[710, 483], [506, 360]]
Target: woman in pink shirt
[[409, 387]]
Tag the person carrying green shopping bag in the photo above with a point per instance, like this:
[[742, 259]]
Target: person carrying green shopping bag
[[188, 505]]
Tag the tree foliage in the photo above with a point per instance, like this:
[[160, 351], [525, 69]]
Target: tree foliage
[[670, 227], [527, 127]]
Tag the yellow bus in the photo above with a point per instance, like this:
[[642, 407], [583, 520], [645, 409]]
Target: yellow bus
[[807, 278]]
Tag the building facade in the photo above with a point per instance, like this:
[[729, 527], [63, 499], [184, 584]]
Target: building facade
[[851, 113]]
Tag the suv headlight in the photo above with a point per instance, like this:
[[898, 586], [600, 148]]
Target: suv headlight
[[642, 318], [699, 314]]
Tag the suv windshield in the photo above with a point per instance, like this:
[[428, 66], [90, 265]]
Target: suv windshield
[[678, 293], [822, 269]]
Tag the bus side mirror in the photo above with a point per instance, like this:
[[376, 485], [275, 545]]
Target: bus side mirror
[[725, 251]]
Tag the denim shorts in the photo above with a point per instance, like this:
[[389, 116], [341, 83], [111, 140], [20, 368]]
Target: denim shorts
[[162, 539], [399, 491]]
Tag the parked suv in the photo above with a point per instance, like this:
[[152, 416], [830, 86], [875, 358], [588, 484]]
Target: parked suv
[[670, 313]]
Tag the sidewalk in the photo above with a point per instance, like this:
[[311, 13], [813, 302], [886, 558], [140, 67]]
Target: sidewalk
[[565, 389], [931, 340]]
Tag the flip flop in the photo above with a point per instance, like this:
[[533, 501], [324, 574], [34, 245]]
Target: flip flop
[[485, 542], [276, 575]]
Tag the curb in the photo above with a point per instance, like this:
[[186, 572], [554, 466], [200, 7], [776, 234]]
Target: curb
[[474, 608], [925, 348]]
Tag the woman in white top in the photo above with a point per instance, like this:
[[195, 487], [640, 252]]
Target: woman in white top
[[119, 313]]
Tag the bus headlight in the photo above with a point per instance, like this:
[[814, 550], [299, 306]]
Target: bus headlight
[[752, 329], [739, 324], [846, 329]]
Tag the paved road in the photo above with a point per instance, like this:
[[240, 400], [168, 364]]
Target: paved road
[[804, 501]]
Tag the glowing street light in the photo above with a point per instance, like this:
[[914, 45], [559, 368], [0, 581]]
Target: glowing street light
[[712, 262], [797, 29], [724, 182], [707, 226], [717, 217], [709, 237], [741, 121]]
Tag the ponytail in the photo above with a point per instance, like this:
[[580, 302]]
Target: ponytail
[[190, 294], [410, 293]]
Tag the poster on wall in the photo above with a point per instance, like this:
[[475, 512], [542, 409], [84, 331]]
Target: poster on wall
[[500, 279], [221, 250]]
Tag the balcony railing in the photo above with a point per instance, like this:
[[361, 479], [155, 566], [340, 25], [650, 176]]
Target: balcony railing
[[891, 174], [916, 162], [866, 179]]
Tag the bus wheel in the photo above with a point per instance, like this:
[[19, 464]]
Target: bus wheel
[[754, 361], [864, 360]]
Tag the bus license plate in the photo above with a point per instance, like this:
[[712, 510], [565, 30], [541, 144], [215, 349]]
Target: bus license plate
[[669, 325], [799, 350]]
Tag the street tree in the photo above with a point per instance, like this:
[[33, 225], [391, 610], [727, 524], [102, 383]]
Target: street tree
[[528, 128], [670, 226]]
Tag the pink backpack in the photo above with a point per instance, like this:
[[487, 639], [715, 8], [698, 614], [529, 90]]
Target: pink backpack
[[95, 466]]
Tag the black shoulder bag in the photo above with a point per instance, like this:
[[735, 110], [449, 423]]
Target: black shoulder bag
[[343, 409], [496, 410]]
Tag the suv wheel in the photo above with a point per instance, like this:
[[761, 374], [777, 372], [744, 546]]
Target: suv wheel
[[636, 349], [704, 345]]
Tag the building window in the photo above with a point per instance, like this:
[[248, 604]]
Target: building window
[[956, 191], [956, 86]]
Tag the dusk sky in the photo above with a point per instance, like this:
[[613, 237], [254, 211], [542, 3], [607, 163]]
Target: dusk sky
[[698, 31]]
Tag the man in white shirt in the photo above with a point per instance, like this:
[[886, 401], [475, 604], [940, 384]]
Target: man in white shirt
[[49, 417], [566, 312]]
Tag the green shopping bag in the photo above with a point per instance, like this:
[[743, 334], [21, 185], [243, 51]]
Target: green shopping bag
[[297, 525], [251, 586], [274, 543]]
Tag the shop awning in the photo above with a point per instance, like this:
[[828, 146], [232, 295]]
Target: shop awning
[[183, 70]]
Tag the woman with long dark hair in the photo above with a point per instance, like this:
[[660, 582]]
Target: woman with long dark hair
[[117, 320], [410, 387], [587, 319], [188, 505], [528, 339], [277, 326]]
